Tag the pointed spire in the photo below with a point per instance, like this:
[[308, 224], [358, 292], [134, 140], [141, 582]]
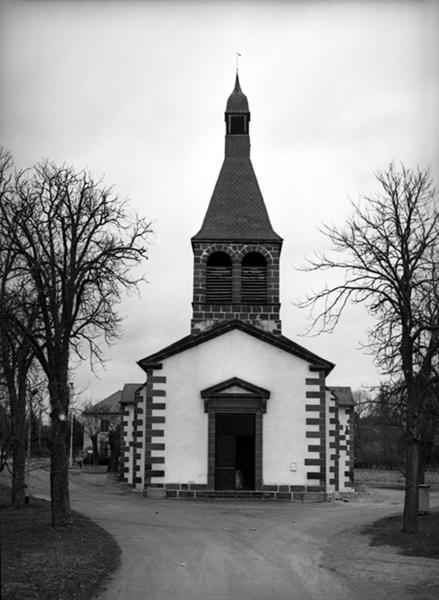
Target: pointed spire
[[237, 210], [237, 88], [237, 102]]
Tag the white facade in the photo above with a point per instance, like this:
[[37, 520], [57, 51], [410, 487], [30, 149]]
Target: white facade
[[167, 429], [234, 354]]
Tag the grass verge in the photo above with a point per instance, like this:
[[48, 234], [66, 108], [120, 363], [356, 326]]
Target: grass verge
[[425, 542], [39, 562], [392, 478]]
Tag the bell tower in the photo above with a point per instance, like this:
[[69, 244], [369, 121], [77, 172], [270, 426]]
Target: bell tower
[[236, 251]]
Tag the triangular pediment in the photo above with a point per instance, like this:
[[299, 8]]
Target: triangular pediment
[[235, 395], [235, 387]]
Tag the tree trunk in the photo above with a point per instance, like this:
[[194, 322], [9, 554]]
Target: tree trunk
[[410, 516], [94, 444], [59, 454], [18, 472], [422, 463], [59, 474]]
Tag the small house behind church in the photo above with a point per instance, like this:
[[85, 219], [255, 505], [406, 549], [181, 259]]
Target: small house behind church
[[100, 419], [236, 407]]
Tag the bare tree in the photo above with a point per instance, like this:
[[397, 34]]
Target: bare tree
[[76, 243], [5, 431], [16, 353], [362, 403], [389, 413], [92, 427], [388, 255], [16, 357]]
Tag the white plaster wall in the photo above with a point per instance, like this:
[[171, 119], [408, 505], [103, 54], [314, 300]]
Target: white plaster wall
[[235, 354]]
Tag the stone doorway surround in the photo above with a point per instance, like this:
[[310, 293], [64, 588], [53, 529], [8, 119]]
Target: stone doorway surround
[[235, 396]]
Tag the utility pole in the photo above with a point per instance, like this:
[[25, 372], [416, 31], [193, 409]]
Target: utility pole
[[40, 425], [29, 427], [29, 449], [71, 438]]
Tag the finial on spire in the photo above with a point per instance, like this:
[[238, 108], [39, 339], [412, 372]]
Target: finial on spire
[[238, 56]]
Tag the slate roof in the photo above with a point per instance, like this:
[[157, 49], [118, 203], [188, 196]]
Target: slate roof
[[279, 341], [237, 102], [237, 210], [343, 395], [128, 392]]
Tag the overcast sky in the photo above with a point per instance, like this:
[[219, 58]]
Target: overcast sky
[[136, 92]]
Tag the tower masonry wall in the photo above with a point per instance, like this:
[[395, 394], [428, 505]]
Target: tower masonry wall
[[264, 316]]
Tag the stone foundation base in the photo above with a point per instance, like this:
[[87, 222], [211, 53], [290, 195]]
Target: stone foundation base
[[268, 492], [154, 492], [310, 497], [345, 496]]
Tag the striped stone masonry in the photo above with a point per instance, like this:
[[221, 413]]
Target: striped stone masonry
[[315, 431], [205, 315], [333, 451], [154, 449], [347, 450], [350, 446], [126, 450], [138, 437]]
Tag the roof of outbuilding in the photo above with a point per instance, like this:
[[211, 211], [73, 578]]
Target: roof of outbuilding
[[129, 391], [111, 404], [343, 395], [279, 341]]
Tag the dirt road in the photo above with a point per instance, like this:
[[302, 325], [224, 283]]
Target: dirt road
[[230, 550]]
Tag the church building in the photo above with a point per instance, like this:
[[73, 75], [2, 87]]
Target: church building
[[236, 408]]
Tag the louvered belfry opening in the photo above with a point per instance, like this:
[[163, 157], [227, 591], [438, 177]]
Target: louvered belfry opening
[[237, 125], [219, 279], [254, 279]]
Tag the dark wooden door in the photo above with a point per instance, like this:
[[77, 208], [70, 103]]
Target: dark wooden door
[[235, 451], [225, 462]]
